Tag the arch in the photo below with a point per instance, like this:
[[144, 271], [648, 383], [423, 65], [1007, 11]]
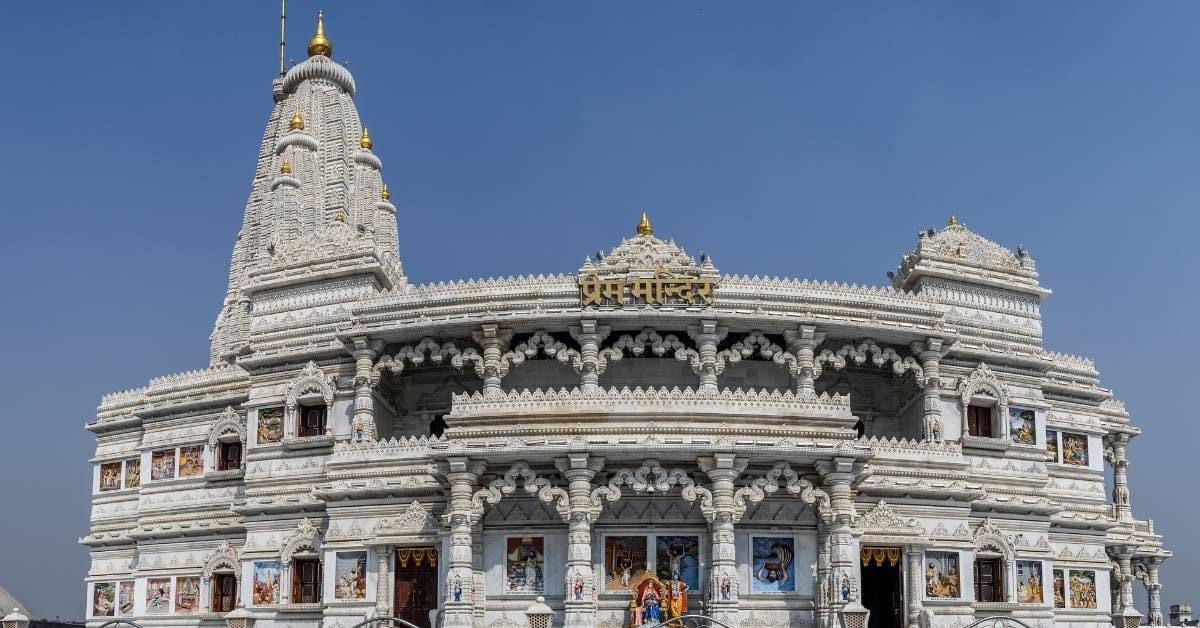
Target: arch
[[310, 380], [306, 536], [988, 537], [224, 556], [229, 421], [982, 380]]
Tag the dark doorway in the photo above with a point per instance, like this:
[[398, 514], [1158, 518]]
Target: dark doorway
[[883, 586], [416, 590]]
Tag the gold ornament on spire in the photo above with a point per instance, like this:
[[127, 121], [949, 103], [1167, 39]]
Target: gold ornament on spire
[[365, 141], [644, 227], [953, 221], [340, 217], [319, 44], [385, 194], [297, 123], [285, 167]]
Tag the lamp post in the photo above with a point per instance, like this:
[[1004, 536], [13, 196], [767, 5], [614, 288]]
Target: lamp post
[[15, 619], [237, 618], [538, 614]]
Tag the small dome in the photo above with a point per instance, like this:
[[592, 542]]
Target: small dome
[[320, 45]]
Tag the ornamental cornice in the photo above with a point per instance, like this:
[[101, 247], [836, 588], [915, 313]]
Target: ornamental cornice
[[919, 450], [883, 519]]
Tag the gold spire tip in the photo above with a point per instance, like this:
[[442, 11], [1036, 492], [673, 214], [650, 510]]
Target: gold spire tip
[[365, 141], [319, 44], [285, 167], [385, 194], [644, 227], [953, 221], [340, 217], [297, 123]]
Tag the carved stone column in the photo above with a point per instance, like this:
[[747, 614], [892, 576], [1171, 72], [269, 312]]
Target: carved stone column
[[462, 474], [723, 471], [838, 475], [383, 602], [803, 345], [930, 355], [1153, 593], [494, 342], [707, 335], [915, 577], [1125, 615], [589, 334], [365, 352], [206, 594], [579, 469], [1116, 457]]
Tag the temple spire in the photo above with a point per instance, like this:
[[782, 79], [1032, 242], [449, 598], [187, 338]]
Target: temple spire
[[644, 227], [319, 44]]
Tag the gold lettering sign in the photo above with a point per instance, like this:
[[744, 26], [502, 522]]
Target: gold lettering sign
[[661, 289]]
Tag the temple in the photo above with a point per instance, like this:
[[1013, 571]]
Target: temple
[[638, 440]]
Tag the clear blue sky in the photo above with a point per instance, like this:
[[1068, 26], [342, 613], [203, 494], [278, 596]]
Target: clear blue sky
[[783, 138]]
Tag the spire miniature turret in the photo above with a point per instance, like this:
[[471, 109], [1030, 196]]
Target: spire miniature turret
[[319, 44]]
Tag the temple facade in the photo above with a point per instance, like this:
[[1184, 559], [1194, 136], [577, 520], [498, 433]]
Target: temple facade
[[641, 439]]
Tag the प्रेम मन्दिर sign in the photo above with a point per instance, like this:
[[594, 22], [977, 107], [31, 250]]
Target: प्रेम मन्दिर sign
[[663, 289]]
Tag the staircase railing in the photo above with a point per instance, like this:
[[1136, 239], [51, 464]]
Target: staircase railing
[[998, 621], [691, 621]]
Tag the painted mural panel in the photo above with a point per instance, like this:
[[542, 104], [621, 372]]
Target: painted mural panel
[[158, 596], [1060, 589], [1052, 445], [678, 558], [104, 599], [525, 564], [1022, 426], [1083, 588], [1029, 582], [110, 476], [625, 562], [773, 563], [191, 461], [942, 579], [350, 576], [187, 594], [265, 589], [270, 425], [1075, 449], [125, 597], [133, 473], [162, 464]]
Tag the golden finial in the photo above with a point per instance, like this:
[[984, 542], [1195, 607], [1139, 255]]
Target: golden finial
[[644, 227], [365, 140], [339, 217], [319, 44], [285, 167], [297, 123], [385, 194], [953, 221]]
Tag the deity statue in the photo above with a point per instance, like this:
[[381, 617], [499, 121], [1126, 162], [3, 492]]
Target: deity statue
[[648, 600], [676, 597]]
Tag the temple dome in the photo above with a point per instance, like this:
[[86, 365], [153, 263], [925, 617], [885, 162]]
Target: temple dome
[[644, 253], [959, 254]]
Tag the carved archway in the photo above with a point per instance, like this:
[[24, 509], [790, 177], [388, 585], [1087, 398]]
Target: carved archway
[[306, 536], [230, 422], [651, 477], [983, 381], [311, 382], [223, 557], [990, 539]]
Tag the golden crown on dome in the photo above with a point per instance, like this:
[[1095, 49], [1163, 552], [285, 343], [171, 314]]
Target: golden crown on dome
[[365, 141], [384, 193], [285, 167], [297, 123], [644, 227], [320, 44]]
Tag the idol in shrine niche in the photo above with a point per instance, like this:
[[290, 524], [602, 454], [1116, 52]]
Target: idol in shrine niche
[[648, 601]]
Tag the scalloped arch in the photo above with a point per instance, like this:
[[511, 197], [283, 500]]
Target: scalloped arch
[[311, 380], [982, 380], [223, 556], [306, 536], [230, 421]]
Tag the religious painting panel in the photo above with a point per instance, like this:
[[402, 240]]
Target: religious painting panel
[[350, 576], [1052, 445], [110, 476], [162, 464], [1022, 426], [1060, 589], [158, 596], [625, 562], [265, 585], [187, 594], [773, 564], [942, 575], [678, 558], [191, 461], [1075, 449], [1029, 582], [133, 473], [104, 599], [125, 597], [270, 425], [1083, 588], [525, 564]]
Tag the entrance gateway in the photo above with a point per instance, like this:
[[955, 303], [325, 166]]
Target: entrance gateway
[[416, 590], [883, 586]]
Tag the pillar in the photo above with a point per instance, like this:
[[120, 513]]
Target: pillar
[[838, 475], [1120, 465], [707, 335], [365, 351], [723, 470], [930, 354], [915, 578], [206, 594], [494, 342], [383, 602], [1125, 616], [803, 345], [457, 609], [579, 469], [589, 334], [824, 586], [1153, 593]]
